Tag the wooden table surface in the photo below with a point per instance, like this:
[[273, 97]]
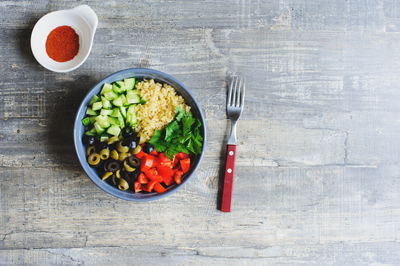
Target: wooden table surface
[[317, 171]]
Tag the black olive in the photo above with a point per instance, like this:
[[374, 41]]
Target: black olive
[[131, 143], [113, 180], [125, 141], [148, 148], [89, 140], [101, 145], [112, 146], [128, 132], [134, 161], [106, 163], [127, 176], [135, 173], [112, 166], [100, 165], [123, 173]]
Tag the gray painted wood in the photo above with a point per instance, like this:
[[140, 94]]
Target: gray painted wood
[[317, 178]]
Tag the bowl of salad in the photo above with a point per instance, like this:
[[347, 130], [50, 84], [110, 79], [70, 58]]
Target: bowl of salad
[[139, 134]]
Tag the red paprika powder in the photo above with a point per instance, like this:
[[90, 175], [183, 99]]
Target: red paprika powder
[[62, 44]]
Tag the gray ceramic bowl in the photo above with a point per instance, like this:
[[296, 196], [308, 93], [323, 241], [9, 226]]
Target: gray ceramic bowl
[[138, 73]]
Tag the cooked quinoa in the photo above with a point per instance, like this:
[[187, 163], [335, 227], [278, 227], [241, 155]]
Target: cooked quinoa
[[159, 109]]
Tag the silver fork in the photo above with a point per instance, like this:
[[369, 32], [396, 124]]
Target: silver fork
[[234, 108]]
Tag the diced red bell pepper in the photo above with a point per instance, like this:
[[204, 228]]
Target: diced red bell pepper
[[148, 161], [141, 154], [185, 164], [154, 152], [163, 160], [142, 179], [176, 161], [159, 188], [164, 170], [167, 174], [137, 186], [168, 180], [152, 174], [182, 155], [150, 186], [178, 176]]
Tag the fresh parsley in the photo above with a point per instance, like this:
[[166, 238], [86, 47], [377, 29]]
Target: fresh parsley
[[181, 135]]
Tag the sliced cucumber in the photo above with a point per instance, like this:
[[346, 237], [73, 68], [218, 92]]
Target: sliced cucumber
[[107, 87], [98, 128], [123, 111], [91, 132], [129, 83], [131, 116], [118, 87], [115, 112], [89, 111], [120, 101], [104, 137], [113, 120], [120, 83], [105, 112], [121, 120], [86, 121], [132, 96], [102, 121], [114, 130], [106, 103], [97, 106], [113, 109], [94, 99], [110, 95], [124, 101]]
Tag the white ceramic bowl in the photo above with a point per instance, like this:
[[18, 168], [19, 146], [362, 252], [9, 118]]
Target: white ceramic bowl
[[82, 19]]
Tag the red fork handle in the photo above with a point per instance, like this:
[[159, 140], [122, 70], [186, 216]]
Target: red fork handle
[[228, 180]]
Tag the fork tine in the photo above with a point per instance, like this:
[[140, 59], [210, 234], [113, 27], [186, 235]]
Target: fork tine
[[233, 102], [230, 92], [242, 93], [239, 91]]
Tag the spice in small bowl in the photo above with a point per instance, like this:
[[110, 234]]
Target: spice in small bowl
[[62, 44], [61, 40]]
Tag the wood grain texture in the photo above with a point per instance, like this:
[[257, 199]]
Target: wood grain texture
[[317, 169]]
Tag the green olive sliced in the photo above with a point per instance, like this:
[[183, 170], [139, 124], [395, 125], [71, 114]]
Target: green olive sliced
[[105, 154], [114, 154], [122, 148], [94, 159], [123, 185], [123, 156], [112, 140], [118, 174], [137, 150], [128, 168], [106, 175], [90, 150]]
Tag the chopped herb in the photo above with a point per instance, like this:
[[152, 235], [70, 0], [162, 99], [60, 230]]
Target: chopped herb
[[181, 135], [179, 113], [171, 130]]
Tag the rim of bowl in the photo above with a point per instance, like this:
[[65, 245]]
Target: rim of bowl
[[105, 186]]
